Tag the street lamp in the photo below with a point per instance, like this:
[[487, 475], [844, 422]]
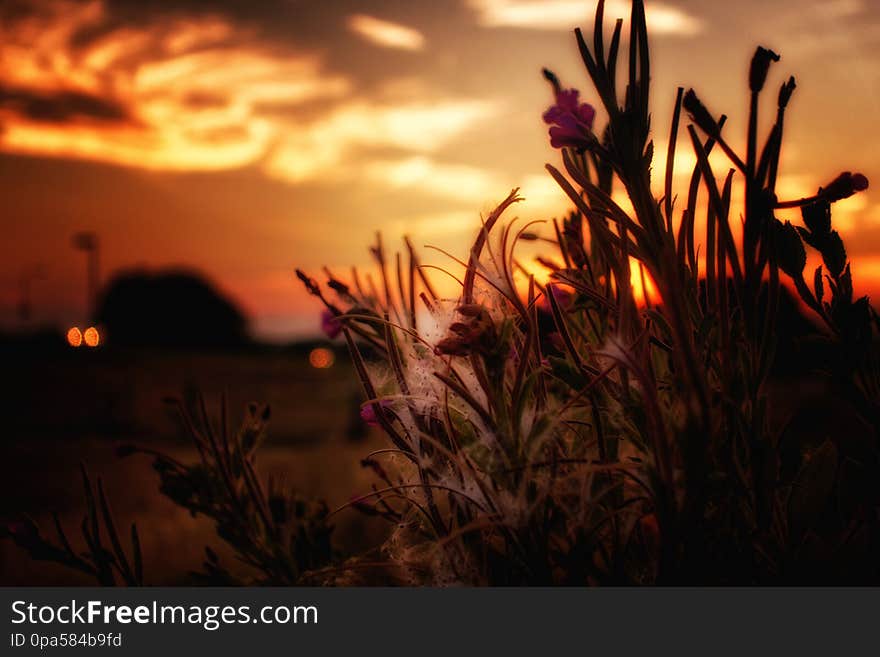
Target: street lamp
[[88, 241]]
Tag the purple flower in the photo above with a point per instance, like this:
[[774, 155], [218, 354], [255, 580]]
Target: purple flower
[[368, 413], [330, 324], [571, 121]]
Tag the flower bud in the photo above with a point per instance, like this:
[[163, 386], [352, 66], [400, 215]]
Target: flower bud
[[786, 91], [550, 76], [844, 186], [699, 114], [330, 324], [309, 282], [759, 68]]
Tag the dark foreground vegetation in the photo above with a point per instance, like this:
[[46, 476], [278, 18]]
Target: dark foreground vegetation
[[573, 432]]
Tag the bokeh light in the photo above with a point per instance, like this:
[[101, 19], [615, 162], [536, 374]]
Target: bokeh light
[[321, 358], [92, 337], [74, 337]]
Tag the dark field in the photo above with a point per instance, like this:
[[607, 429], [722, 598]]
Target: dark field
[[80, 406]]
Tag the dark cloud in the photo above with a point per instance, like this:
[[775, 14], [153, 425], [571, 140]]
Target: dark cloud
[[315, 26], [63, 106], [12, 10]]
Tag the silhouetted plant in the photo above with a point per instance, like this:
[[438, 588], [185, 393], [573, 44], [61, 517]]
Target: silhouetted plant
[[625, 440], [573, 431], [279, 535], [108, 564]]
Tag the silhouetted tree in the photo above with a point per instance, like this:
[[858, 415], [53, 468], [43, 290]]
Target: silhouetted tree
[[170, 309]]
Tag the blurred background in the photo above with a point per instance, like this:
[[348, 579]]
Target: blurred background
[[165, 166]]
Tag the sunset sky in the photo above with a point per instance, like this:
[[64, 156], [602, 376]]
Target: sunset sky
[[245, 138]]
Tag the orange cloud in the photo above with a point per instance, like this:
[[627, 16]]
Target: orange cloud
[[385, 33], [203, 94], [192, 89], [324, 147], [562, 14]]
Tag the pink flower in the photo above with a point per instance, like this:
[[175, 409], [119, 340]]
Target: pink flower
[[330, 324], [571, 121], [368, 413]]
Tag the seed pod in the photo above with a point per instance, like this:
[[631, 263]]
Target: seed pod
[[760, 66]]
